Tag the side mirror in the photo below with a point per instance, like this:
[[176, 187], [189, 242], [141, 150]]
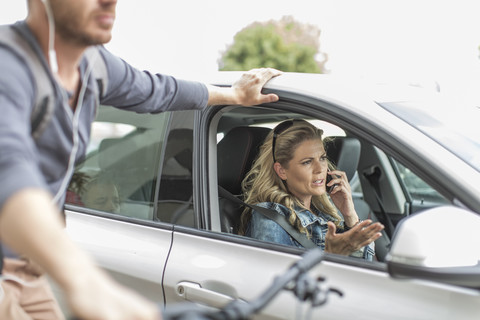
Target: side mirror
[[440, 244]]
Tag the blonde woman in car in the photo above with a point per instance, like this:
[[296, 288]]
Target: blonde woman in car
[[289, 176]]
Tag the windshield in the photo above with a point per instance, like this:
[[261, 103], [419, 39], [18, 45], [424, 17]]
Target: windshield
[[455, 127]]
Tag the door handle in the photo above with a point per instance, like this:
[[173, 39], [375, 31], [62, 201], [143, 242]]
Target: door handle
[[194, 292]]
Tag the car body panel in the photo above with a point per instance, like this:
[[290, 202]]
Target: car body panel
[[367, 293], [133, 253], [162, 260]]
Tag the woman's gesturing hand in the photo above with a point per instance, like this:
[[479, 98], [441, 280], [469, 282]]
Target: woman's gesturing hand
[[356, 238]]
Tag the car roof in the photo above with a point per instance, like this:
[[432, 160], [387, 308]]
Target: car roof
[[334, 88], [360, 99]]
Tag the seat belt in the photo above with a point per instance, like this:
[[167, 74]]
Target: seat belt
[[272, 215], [373, 178]]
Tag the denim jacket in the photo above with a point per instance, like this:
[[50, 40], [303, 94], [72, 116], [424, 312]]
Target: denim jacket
[[263, 228]]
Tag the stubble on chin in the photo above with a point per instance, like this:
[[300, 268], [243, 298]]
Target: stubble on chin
[[79, 37], [77, 31]]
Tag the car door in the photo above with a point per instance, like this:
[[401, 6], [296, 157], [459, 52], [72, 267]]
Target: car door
[[113, 207], [211, 266]]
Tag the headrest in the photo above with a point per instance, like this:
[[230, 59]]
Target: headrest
[[344, 153], [180, 146], [235, 155]]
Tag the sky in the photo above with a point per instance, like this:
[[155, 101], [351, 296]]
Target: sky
[[427, 42]]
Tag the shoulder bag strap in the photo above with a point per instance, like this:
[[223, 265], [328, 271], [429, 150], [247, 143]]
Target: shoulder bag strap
[[44, 100]]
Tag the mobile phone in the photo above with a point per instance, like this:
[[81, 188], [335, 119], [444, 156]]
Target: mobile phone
[[329, 188]]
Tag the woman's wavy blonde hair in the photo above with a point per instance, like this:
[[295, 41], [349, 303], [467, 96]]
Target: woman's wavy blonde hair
[[262, 184]]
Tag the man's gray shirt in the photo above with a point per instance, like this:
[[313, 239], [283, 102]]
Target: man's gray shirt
[[42, 163]]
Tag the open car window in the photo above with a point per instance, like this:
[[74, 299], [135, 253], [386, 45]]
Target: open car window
[[396, 195]]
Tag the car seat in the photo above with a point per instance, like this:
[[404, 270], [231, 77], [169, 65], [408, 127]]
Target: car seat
[[344, 153], [235, 155]]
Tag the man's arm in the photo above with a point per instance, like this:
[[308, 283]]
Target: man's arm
[[246, 91], [159, 92], [31, 225]]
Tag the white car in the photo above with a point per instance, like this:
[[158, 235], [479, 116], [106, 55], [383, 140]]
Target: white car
[[413, 159]]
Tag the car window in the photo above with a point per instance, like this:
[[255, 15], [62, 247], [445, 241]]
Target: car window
[[120, 169], [238, 147], [382, 189], [175, 194], [421, 194]]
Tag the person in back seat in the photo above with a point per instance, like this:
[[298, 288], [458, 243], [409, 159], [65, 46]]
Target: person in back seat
[[101, 193], [290, 177]]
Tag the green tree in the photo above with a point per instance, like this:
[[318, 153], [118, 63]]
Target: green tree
[[286, 45]]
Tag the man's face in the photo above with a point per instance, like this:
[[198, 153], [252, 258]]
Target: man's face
[[102, 196], [84, 22]]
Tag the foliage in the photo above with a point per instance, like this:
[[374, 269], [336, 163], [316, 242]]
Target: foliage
[[286, 45]]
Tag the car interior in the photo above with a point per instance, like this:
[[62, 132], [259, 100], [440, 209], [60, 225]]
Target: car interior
[[377, 191]]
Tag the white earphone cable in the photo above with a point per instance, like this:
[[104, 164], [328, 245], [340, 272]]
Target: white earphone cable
[[76, 134], [52, 56]]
